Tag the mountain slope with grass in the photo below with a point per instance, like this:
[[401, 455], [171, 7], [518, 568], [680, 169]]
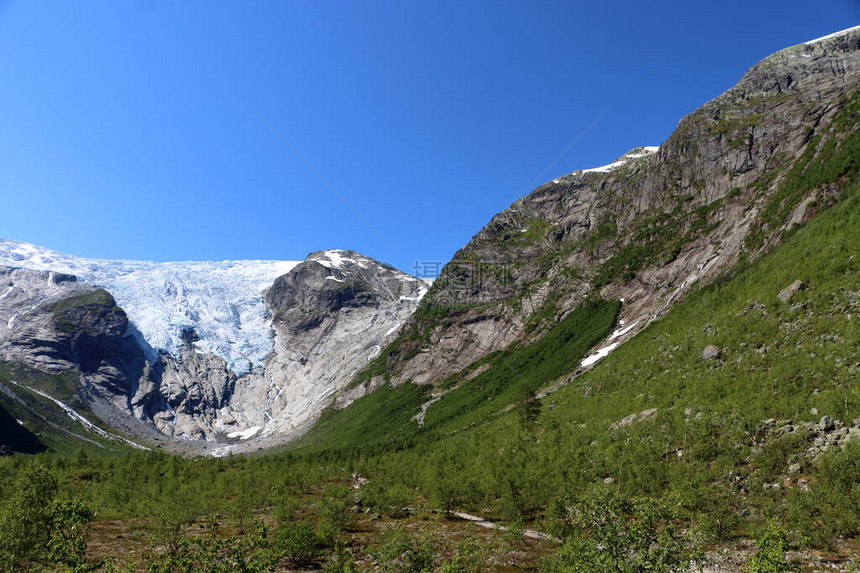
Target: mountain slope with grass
[[736, 176], [739, 409]]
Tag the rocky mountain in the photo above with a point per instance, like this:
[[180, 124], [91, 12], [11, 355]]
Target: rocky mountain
[[237, 351], [736, 175], [247, 354]]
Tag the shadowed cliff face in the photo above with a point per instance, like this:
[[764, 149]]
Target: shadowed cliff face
[[15, 438], [648, 226], [52, 323]]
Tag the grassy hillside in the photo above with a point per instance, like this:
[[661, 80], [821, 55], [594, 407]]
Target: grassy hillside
[[384, 420], [43, 418], [711, 439]]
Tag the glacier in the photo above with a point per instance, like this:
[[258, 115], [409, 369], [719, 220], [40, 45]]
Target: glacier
[[222, 301]]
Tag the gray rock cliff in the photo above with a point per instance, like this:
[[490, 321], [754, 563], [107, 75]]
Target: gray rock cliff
[[724, 187]]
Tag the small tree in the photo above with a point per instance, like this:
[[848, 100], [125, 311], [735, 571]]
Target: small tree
[[529, 408], [770, 555], [38, 529], [297, 542]]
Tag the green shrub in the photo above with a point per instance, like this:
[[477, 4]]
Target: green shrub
[[769, 557], [391, 499], [399, 552], [36, 528], [296, 541], [614, 532]]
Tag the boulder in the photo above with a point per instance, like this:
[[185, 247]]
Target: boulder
[[711, 352], [789, 291]]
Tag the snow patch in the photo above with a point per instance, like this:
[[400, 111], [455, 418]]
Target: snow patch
[[833, 35], [605, 168], [80, 419], [334, 259], [393, 329], [646, 151], [622, 331], [245, 434], [599, 355], [374, 352]]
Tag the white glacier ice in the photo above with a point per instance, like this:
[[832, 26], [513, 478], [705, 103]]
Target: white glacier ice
[[222, 301]]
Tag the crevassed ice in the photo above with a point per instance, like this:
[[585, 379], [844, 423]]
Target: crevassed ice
[[222, 301]]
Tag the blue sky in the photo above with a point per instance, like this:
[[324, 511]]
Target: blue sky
[[133, 129]]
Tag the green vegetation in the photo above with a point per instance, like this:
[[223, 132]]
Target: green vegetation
[[383, 420], [61, 386], [699, 470], [831, 157], [66, 311], [771, 547], [526, 368], [536, 231], [656, 237], [611, 532], [37, 528], [383, 416]]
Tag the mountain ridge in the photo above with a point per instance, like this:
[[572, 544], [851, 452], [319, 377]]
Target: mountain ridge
[[200, 350]]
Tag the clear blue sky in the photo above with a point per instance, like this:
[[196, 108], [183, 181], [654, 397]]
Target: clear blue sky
[[130, 129]]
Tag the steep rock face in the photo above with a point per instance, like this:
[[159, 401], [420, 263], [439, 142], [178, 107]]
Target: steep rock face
[[332, 315], [647, 226], [51, 322]]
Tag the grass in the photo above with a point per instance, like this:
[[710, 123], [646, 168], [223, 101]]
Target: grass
[[42, 417], [656, 237], [382, 417], [518, 370], [64, 311], [383, 420], [829, 157]]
